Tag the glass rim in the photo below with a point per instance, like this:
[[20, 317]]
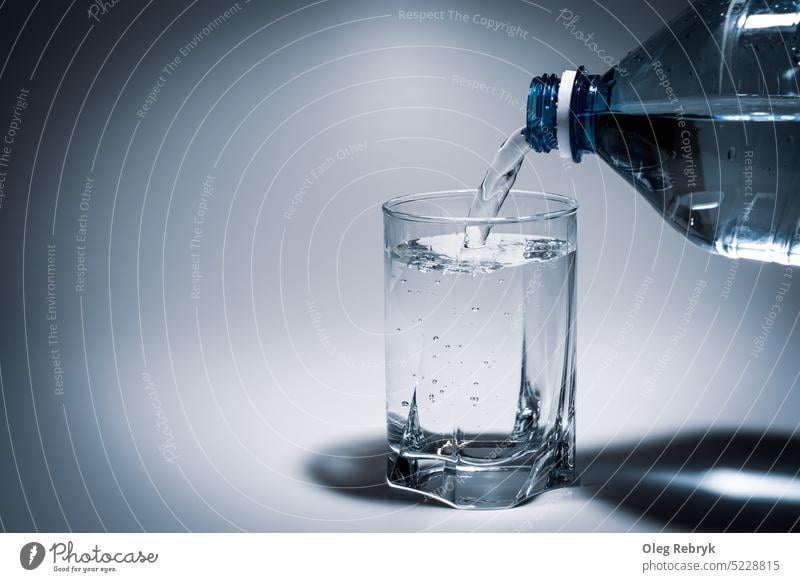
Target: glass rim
[[390, 208]]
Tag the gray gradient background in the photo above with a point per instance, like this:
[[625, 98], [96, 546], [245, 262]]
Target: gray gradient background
[[257, 416]]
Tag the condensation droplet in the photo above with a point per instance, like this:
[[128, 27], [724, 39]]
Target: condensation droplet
[[436, 338], [475, 384], [501, 281], [476, 308], [434, 381], [404, 403], [403, 281], [506, 314], [437, 282]]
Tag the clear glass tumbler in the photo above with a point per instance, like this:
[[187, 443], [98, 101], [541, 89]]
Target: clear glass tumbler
[[480, 348]]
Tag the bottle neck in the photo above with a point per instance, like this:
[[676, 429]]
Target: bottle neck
[[561, 112]]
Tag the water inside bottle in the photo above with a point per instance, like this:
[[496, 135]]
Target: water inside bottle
[[724, 172]]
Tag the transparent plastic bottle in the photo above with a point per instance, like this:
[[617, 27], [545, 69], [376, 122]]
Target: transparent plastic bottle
[[703, 120]]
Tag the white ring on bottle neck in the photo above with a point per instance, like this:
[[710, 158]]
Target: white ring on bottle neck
[[562, 113]]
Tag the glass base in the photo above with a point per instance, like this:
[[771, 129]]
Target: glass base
[[496, 486]]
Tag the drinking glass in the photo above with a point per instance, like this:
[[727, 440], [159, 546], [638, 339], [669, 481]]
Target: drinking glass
[[480, 347]]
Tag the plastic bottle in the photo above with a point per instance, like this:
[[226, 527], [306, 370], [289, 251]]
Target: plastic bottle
[[703, 120]]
